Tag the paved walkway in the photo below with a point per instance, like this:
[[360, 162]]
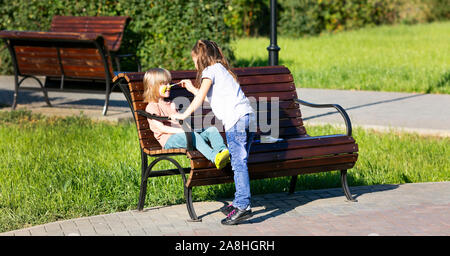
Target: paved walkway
[[419, 209]]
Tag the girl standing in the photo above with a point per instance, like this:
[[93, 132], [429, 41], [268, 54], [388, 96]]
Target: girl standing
[[217, 84]]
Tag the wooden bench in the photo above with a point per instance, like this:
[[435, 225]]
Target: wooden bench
[[295, 153], [75, 55]]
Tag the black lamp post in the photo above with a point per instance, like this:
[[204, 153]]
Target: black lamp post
[[273, 47]]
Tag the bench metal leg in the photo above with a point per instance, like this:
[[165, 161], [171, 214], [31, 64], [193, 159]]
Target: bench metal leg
[[293, 183], [17, 85], [190, 206], [16, 92], [345, 186], [107, 94], [143, 190], [44, 90], [187, 191]]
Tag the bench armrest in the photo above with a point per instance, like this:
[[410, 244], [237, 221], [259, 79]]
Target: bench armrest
[[340, 109], [152, 116], [186, 129]]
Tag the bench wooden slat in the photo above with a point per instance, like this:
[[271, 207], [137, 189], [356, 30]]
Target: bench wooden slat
[[166, 151], [211, 172], [77, 61], [283, 105], [148, 141], [208, 113], [146, 133], [111, 26], [247, 89], [240, 72], [273, 173], [133, 77], [286, 154], [51, 35], [296, 143], [280, 96]]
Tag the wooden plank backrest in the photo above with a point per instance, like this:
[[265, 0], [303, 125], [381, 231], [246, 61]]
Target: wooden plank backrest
[[37, 53], [111, 27], [256, 82]]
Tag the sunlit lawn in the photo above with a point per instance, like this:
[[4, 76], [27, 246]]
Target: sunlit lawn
[[388, 58], [62, 168]]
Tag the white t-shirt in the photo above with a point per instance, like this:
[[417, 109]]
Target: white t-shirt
[[225, 96]]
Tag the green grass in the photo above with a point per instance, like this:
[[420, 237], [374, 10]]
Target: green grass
[[388, 58], [61, 168]]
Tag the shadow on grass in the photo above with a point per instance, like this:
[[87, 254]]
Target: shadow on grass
[[442, 82]]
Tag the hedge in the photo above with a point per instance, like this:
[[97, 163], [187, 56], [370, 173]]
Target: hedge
[[161, 32], [311, 17]]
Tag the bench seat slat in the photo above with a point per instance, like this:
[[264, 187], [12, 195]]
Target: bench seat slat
[[165, 151], [294, 143], [286, 154], [212, 172], [273, 173]]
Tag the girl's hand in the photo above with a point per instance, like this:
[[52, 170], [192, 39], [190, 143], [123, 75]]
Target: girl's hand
[[187, 84], [178, 116]]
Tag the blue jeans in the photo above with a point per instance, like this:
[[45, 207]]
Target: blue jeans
[[239, 139], [200, 142]]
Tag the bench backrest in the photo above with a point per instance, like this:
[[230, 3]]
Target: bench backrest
[[59, 53], [111, 27], [256, 82]]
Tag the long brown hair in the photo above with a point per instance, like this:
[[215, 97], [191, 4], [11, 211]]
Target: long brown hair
[[208, 53]]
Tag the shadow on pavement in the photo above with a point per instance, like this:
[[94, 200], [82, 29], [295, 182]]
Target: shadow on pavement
[[97, 102], [276, 206], [24, 97], [363, 106]]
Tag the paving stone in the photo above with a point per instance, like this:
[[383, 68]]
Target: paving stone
[[381, 210]]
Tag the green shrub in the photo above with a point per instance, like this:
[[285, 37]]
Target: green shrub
[[311, 17], [248, 17], [439, 9], [161, 32]]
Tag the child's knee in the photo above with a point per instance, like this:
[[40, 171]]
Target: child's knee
[[212, 129]]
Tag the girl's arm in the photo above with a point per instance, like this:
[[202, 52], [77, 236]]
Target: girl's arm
[[187, 84], [197, 102], [165, 128]]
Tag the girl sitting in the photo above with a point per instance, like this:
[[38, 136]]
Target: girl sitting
[[170, 134]]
